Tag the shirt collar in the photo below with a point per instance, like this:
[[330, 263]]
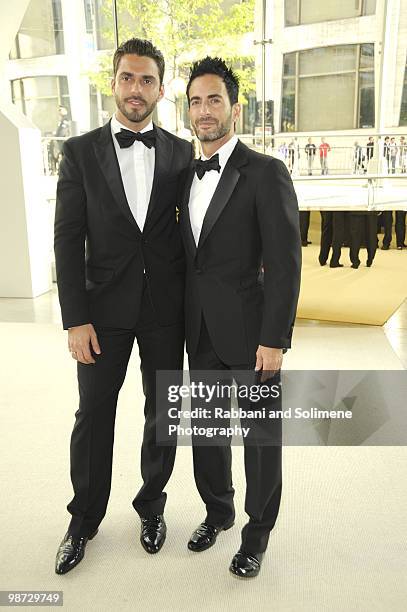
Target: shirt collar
[[225, 151], [117, 126]]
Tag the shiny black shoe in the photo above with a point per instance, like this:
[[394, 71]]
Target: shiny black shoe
[[335, 265], [385, 248], [205, 536], [369, 263], [245, 565], [355, 266], [153, 533], [71, 552]]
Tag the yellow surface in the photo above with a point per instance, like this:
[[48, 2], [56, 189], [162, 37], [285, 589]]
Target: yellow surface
[[366, 295]]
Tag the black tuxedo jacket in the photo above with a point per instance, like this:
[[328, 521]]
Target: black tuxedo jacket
[[103, 283], [252, 218]]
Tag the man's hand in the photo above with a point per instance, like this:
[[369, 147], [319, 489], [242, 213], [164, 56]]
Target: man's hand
[[80, 340], [269, 360]]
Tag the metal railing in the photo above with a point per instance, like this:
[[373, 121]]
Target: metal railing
[[351, 182]]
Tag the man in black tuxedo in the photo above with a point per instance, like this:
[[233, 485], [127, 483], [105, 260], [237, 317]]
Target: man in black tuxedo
[[239, 214], [117, 192]]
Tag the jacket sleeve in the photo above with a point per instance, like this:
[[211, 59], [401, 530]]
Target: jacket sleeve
[[278, 217], [69, 242]]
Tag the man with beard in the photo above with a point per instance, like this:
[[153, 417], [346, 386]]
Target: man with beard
[[117, 192], [239, 214]]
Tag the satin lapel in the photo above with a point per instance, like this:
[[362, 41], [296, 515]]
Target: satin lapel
[[224, 190], [106, 156], [185, 219], [163, 157]]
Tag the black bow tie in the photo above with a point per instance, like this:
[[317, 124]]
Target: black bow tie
[[205, 165], [126, 138]]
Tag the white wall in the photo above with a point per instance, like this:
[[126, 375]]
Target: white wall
[[24, 220]]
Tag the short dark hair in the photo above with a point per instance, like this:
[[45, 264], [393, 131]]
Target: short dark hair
[[216, 65], [142, 47]]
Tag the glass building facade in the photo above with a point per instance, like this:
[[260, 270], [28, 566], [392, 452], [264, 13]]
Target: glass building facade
[[305, 66], [329, 88]]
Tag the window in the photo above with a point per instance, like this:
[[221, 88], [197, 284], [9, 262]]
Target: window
[[41, 31], [332, 89], [300, 12], [99, 24], [39, 98]]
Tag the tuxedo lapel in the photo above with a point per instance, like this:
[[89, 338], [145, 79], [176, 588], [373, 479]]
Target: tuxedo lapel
[[185, 219], [163, 157], [224, 190], [107, 159]]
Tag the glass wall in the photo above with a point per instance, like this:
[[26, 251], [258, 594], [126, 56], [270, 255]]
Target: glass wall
[[184, 31], [40, 99], [403, 109], [328, 88], [41, 31], [301, 12], [99, 20]]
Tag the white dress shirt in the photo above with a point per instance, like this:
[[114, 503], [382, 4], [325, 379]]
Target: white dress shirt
[[137, 169], [202, 190]]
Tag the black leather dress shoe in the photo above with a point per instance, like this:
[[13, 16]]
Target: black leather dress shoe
[[153, 533], [355, 266], [336, 265], [245, 565], [205, 536], [385, 248], [71, 552]]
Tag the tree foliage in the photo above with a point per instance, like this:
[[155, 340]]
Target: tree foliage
[[184, 30]]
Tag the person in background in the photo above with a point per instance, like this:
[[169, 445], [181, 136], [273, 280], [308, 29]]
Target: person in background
[[386, 153], [305, 216], [291, 155], [370, 148], [400, 227], [332, 235], [283, 152], [393, 150], [363, 231], [324, 149], [310, 151], [358, 158], [63, 131], [387, 219], [403, 155]]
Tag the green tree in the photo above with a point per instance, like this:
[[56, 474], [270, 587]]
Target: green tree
[[184, 30]]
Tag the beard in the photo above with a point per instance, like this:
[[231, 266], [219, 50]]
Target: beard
[[219, 131], [134, 115]]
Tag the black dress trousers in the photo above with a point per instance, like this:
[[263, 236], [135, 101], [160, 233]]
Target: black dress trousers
[[363, 231], [304, 226], [212, 464], [332, 235], [387, 217], [400, 227], [160, 348]]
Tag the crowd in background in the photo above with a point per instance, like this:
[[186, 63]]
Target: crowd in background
[[358, 157]]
